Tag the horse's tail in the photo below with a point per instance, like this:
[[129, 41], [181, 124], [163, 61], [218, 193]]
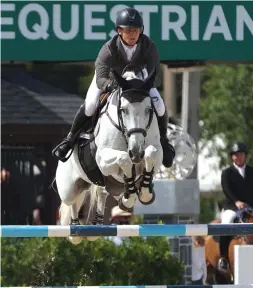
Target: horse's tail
[[52, 186], [93, 194]]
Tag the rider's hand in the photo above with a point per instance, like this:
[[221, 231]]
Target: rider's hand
[[112, 85], [239, 204]]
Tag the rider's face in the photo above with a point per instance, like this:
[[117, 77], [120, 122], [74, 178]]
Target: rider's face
[[239, 158], [130, 35]]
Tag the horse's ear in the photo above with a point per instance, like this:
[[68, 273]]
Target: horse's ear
[[149, 81], [123, 83]]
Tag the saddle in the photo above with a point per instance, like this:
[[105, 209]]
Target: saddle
[[86, 156], [87, 148]]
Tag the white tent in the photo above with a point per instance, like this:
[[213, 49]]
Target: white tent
[[209, 173]]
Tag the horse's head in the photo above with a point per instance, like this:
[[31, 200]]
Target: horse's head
[[135, 110], [246, 216]]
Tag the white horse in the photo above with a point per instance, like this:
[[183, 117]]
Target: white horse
[[127, 153]]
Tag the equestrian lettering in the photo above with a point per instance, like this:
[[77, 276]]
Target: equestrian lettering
[[45, 21]]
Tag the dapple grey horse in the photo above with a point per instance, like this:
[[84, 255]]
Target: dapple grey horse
[[128, 154]]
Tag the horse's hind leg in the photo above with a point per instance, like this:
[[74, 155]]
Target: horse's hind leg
[[102, 195], [70, 188], [69, 214]]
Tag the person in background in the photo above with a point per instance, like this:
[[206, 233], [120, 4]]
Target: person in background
[[199, 269], [119, 217], [6, 199], [237, 186]]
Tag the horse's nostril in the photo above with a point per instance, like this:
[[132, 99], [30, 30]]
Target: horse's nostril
[[136, 155]]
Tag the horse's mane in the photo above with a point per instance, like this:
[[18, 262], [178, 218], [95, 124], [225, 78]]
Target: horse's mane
[[130, 75]]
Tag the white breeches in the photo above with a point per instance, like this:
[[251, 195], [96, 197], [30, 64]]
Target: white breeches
[[228, 216], [92, 99], [157, 101]]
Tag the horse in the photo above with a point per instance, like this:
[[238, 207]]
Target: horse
[[214, 276], [119, 158]]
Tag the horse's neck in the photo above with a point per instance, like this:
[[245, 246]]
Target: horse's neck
[[109, 135], [113, 106], [249, 238]]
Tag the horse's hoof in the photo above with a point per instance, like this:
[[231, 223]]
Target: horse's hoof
[[75, 240], [75, 222], [125, 204], [92, 238], [146, 198]]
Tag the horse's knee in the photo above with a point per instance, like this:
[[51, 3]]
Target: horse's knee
[[150, 152], [124, 159]]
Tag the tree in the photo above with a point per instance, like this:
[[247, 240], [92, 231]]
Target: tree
[[226, 108], [46, 262]]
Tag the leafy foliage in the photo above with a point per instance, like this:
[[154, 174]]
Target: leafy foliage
[[55, 261], [227, 106]]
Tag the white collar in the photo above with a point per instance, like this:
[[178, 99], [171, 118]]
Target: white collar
[[239, 168], [127, 48]]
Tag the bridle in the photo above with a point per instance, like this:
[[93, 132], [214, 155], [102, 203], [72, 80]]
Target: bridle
[[120, 126]]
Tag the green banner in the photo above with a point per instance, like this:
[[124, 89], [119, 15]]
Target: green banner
[[76, 30]]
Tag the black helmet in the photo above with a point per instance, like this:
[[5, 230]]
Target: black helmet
[[238, 147], [129, 17]]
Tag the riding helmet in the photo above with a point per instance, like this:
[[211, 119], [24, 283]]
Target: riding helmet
[[238, 147], [129, 17]]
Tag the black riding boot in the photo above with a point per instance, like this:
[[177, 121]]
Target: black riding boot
[[168, 149], [62, 150], [223, 263]]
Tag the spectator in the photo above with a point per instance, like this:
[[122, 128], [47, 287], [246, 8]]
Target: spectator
[[199, 270], [119, 217]]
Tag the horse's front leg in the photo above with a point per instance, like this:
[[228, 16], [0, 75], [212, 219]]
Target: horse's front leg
[[110, 162], [146, 192]]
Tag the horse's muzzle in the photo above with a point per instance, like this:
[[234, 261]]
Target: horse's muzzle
[[136, 155]]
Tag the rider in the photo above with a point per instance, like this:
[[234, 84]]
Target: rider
[[129, 46], [237, 185]]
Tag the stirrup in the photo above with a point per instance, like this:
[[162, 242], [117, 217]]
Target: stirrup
[[227, 264], [54, 151]]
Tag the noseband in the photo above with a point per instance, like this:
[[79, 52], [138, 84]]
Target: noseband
[[120, 126]]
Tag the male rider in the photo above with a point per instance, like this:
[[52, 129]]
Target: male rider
[[237, 185], [129, 46]]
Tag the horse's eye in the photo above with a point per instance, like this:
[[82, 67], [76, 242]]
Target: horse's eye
[[123, 110], [148, 110]]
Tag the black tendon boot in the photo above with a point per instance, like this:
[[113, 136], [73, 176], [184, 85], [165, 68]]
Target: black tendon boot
[[223, 263]]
